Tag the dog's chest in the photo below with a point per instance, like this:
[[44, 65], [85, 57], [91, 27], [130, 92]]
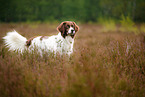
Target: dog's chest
[[65, 45]]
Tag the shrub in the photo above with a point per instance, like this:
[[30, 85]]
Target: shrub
[[108, 24], [128, 25]]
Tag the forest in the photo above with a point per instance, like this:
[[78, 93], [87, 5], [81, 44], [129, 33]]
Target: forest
[[76, 10]]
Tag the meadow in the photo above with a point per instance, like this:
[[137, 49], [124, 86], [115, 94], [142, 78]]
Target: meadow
[[108, 61]]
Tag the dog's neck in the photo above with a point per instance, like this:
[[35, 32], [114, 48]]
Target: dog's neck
[[68, 39]]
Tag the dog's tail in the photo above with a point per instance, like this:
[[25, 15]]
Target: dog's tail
[[15, 42]]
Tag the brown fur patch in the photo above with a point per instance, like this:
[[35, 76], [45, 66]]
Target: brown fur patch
[[43, 37], [28, 42]]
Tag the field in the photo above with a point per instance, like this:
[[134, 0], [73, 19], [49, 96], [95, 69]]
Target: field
[[107, 62]]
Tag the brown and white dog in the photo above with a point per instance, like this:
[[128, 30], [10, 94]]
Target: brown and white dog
[[61, 43]]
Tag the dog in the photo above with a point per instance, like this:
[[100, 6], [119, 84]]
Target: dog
[[61, 43]]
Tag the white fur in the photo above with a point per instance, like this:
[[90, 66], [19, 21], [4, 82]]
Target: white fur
[[53, 44], [15, 42]]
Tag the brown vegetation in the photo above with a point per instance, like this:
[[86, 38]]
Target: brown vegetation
[[106, 64]]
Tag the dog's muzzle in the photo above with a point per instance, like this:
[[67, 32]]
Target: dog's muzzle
[[71, 31]]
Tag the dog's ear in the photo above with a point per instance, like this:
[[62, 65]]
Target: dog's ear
[[76, 27], [61, 27]]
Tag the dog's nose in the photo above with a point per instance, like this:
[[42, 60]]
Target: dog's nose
[[72, 31]]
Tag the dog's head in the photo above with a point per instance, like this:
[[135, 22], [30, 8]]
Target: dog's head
[[68, 28]]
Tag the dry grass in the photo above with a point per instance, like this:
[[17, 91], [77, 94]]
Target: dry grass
[[110, 64]]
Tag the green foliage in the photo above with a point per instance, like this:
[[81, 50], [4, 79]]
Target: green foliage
[[77, 10], [142, 28], [109, 24], [126, 21], [127, 24]]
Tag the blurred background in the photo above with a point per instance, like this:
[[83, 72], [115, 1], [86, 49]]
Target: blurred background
[[109, 50], [76, 10]]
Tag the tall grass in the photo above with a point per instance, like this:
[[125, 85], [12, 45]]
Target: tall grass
[[103, 64]]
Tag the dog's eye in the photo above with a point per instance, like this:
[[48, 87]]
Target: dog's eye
[[68, 26], [72, 25]]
